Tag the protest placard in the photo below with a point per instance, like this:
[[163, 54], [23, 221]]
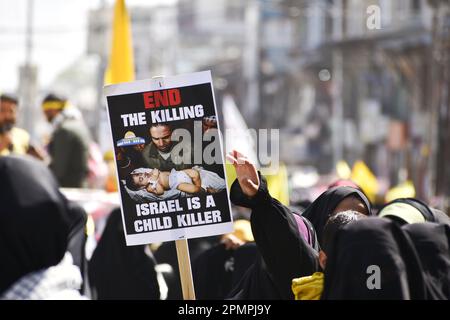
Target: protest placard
[[169, 158]]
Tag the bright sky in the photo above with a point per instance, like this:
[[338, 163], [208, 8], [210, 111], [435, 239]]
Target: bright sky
[[60, 35]]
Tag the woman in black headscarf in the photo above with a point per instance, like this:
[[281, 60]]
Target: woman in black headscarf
[[117, 271], [286, 242], [373, 259], [333, 200], [432, 242], [35, 227]]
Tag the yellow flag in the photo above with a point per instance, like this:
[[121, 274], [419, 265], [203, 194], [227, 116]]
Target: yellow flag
[[231, 174], [402, 190], [121, 62], [278, 185], [363, 177], [343, 170]]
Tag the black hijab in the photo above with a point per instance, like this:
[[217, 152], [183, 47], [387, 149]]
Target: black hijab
[[320, 210], [371, 243], [432, 242], [256, 283], [286, 243], [120, 272], [35, 221], [217, 270]]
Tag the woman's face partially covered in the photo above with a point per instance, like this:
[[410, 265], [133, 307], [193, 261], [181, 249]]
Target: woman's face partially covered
[[351, 203]]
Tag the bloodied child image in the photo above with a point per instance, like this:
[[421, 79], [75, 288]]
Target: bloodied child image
[[159, 169]]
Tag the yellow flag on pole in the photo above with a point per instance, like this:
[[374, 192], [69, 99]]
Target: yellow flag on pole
[[121, 62], [278, 184]]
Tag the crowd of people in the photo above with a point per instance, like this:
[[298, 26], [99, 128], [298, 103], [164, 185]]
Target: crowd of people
[[68, 148], [337, 247], [348, 252]]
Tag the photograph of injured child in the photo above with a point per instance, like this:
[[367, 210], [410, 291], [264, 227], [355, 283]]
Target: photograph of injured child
[[159, 170], [190, 181]]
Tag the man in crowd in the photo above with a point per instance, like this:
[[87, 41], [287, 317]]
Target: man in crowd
[[18, 139], [69, 142]]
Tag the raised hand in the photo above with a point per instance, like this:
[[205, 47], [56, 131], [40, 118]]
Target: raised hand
[[246, 173]]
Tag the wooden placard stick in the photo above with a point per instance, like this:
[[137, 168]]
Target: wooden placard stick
[[184, 264]]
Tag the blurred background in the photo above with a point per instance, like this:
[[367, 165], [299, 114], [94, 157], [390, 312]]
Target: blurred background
[[357, 88]]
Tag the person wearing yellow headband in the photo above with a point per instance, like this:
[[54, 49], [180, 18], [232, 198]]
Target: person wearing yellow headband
[[69, 142], [53, 105]]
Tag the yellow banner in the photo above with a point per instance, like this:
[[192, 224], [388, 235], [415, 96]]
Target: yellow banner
[[121, 62]]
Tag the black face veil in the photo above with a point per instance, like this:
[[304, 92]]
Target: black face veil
[[373, 259], [432, 242]]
